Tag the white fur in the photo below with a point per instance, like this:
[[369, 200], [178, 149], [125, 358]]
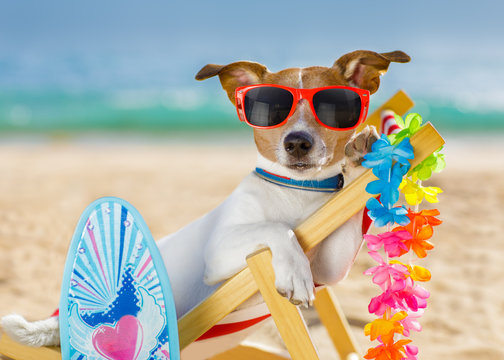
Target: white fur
[[350, 69], [319, 154], [37, 333]]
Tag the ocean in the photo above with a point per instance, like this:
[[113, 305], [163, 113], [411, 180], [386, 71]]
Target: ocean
[[49, 111]]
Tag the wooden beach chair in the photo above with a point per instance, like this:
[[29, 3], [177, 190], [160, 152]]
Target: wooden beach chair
[[259, 275]]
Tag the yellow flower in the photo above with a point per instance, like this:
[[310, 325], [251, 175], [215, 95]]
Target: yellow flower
[[417, 273], [414, 193], [386, 328]]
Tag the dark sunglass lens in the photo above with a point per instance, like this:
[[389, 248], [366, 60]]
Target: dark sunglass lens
[[267, 106], [337, 108]]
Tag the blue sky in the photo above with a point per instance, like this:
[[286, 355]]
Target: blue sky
[[456, 47]]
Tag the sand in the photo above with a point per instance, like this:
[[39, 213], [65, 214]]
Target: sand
[[46, 185]]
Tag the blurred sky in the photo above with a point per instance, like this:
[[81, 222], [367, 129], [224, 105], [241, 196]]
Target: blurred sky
[[456, 47]]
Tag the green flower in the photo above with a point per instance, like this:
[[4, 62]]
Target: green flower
[[433, 163], [410, 125]]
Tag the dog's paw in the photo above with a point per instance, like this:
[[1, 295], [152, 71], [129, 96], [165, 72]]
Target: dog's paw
[[359, 145], [293, 277]]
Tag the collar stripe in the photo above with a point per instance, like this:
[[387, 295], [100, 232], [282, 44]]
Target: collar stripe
[[329, 185]]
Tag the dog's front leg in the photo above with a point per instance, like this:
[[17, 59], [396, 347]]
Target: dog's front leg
[[226, 254], [333, 258]]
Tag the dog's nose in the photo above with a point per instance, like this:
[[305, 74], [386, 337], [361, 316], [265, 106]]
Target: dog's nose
[[298, 143]]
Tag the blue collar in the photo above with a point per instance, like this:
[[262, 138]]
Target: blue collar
[[330, 185]]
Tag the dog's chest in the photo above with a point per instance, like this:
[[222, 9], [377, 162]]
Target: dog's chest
[[291, 206]]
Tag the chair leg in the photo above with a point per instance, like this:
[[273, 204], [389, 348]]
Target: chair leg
[[245, 352], [287, 317], [332, 317]]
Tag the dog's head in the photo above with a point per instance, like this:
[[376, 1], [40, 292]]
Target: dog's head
[[302, 148]]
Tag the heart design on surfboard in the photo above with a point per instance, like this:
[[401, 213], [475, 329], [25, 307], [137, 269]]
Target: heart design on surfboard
[[122, 342]]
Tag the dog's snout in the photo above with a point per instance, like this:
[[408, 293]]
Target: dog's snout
[[298, 143]]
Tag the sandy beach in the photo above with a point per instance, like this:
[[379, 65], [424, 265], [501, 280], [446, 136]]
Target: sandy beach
[[45, 186]]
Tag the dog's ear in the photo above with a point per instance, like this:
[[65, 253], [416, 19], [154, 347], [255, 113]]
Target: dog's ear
[[363, 68], [241, 73]]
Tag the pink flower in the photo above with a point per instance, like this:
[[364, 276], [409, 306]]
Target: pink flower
[[379, 304], [411, 352], [411, 322], [392, 242], [411, 298], [387, 276]]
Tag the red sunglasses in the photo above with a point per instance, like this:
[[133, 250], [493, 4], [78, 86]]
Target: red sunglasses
[[267, 106]]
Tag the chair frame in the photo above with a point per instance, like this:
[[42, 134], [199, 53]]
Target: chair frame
[[259, 275]]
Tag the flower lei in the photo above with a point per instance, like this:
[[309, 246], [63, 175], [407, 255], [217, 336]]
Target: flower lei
[[402, 300]]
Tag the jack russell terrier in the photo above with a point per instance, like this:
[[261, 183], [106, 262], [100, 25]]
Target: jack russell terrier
[[304, 122]]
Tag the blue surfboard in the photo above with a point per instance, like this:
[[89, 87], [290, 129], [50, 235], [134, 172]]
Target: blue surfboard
[[116, 300]]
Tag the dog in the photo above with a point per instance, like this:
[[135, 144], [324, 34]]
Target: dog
[[261, 211]]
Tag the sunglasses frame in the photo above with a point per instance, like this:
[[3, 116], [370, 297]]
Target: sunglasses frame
[[299, 94]]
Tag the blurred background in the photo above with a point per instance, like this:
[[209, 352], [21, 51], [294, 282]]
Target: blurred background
[[69, 67], [98, 98]]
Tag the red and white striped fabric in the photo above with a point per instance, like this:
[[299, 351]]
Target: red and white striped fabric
[[238, 320], [388, 123]]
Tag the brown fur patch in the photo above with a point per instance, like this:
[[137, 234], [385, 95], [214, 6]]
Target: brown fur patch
[[287, 77], [364, 68]]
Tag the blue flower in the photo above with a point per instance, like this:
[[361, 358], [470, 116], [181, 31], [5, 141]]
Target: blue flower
[[383, 154], [383, 216], [387, 184]]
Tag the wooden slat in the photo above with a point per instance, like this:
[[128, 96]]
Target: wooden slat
[[332, 317], [244, 352], [14, 350], [214, 308], [399, 103], [287, 317], [344, 204]]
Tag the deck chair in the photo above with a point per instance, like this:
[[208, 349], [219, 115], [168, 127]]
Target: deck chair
[[259, 275]]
